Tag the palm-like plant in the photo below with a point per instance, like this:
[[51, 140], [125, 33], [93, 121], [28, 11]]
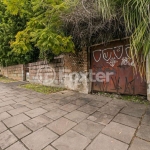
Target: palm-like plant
[[136, 16]]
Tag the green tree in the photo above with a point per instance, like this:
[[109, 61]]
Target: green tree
[[32, 29], [44, 28], [10, 25]]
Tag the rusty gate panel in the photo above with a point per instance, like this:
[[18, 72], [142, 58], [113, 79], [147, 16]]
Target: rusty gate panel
[[115, 58]]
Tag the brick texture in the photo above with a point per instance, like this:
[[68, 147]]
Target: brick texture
[[62, 71], [14, 72]]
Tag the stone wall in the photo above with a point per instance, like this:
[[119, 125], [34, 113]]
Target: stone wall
[[46, 73], [14, 72], [76, 66], [68, 70]]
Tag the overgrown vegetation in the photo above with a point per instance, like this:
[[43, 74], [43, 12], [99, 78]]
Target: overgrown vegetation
[[100, 21], [132, 98], [42, 89], [33, 29]]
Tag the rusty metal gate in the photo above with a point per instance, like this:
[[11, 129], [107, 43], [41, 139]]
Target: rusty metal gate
[[113, 63]]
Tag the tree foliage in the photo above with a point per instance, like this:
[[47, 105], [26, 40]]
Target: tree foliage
[[32, 26], [44, 27], [10, 25], [56, 26]]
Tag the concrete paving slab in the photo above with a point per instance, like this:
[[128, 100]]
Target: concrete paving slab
[[51, 106], [35, 105], [7, 103], [119, 131], [39, 139], [133, 111], [56, 114], [61, 126], [49, 148], [101, 118], [2, 127], [71, 141], [7, 139], [139, 144], [15, 120], [103, 142], [119, 103], [88, 109], [18, 110], [20, 131], [20, 104], [146, 120], [88, 128], [34, 100], [110, 110], [35, 112], [4, 116], [5, 108], [144, 132], [69, 107], [17, 146], [97, 103], [76, 116], [38, 122], [127, 120], [77, 130], [80, 102]]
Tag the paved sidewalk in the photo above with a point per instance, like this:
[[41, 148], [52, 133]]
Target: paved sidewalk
[[70, 121]]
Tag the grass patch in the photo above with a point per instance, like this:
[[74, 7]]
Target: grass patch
[[42, 88], [135, 98], [6, 80], [132, 98]]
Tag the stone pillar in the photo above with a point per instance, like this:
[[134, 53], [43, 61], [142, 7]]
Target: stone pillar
[[148, 75]]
